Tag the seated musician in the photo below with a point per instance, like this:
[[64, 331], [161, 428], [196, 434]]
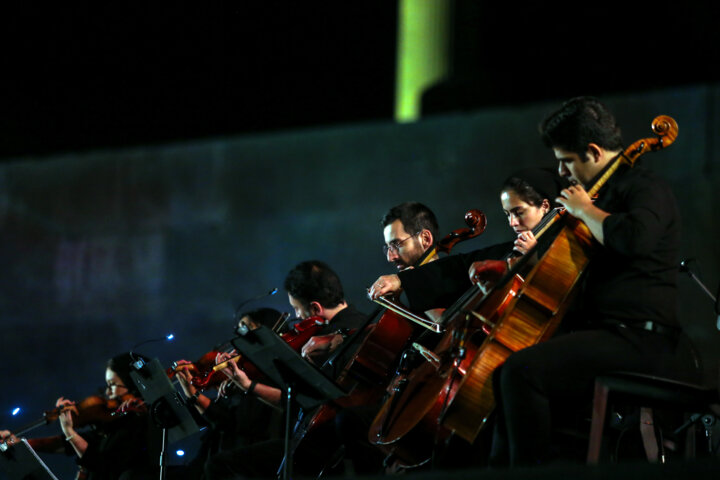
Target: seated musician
[[235, 418], [121, 445], [314, 290], [526, 197], [626, 319], [410, 230]]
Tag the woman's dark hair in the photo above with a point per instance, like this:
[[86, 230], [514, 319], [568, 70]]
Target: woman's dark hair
[[533, 185], [267, 317], [579, 122], [122, 366], [315, 281]]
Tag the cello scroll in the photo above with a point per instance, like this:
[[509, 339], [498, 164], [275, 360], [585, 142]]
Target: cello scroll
[[476, 222]]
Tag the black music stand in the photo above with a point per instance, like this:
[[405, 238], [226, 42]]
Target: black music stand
[[167, 409], [20, 462], [304, 384]]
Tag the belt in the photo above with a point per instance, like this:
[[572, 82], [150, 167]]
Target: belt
[[648, 326]]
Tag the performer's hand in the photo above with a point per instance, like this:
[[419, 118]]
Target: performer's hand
[[238, 376], [321, 344], [385, 285], [185, 376], [575, 200], [133, 404], [486, 273], [525, 242], [6, 436], [65, 417]]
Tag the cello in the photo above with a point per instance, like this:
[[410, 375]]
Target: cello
[[367, 373], [524, 308]]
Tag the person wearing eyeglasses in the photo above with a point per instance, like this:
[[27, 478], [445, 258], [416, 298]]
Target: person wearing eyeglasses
[[526, 197], [410, 230], [121, 446]]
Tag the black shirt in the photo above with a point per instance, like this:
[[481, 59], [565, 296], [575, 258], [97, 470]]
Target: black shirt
[[438, 284], [633, 277]]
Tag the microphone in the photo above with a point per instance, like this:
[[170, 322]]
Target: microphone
[[139, 361]]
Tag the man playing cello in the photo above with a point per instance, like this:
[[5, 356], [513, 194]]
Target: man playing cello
[[625, 320]]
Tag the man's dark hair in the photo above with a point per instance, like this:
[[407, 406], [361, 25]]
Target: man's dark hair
[[579, 122], [414, 216], [315, 281]]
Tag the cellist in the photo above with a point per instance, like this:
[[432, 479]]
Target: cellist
[[410, 233], [526, 197], [626, 317]]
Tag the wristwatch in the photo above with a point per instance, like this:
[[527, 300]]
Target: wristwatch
[[193, 399]]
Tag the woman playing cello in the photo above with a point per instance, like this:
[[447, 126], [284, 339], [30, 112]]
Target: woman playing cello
[[526, 197], [626, 317]]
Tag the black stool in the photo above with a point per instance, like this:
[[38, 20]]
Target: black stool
[[699, 403]]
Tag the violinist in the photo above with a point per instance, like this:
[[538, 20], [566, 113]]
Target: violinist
[[625, 320], [120, 446], [314, 290], [236, 417]]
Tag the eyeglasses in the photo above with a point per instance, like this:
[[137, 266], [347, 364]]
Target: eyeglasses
[[116, 385], [395, 245]]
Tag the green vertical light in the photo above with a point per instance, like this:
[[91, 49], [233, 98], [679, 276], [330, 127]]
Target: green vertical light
[[423, 45]]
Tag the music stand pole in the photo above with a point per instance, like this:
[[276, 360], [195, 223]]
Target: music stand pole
[[304, 385], [163, 454], [288, 460]]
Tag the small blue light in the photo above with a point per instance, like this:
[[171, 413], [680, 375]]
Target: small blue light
[[180, 453], [15, 411], [170, 336]]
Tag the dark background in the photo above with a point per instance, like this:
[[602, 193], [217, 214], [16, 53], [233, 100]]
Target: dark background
[[85, 75], [163, 163]]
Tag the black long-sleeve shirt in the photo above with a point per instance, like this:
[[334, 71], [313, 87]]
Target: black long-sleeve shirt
[[438, 284], [633, 276]]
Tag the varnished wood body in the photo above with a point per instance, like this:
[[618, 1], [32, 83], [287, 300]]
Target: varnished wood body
[[532, 317]]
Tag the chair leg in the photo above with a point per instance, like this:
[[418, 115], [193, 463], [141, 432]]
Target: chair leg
[[598, 422], [647, 432]]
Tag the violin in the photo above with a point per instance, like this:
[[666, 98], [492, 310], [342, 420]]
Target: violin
[[206, 374], [93, 410]]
